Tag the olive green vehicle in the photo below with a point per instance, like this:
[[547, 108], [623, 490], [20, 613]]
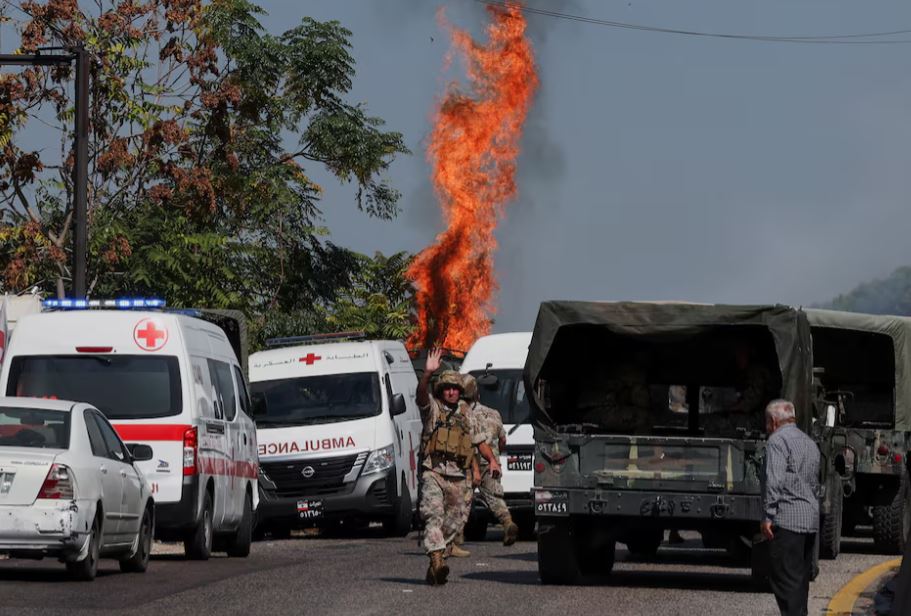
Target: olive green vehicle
[[863, 365], [650, 416]]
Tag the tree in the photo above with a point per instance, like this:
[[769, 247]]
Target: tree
[[194, 192], [890, 295], [379, 301]]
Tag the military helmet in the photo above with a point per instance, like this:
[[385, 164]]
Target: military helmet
[[449, 377], [469, 388]]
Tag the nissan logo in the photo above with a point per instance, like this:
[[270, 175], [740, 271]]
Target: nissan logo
[[308, 472]]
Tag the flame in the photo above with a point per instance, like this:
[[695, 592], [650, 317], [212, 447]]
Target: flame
[[473, 150]]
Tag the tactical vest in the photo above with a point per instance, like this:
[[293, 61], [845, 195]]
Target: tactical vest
[[450, 439]]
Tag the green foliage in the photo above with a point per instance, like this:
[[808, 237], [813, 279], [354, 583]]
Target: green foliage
[[891, 295], [195, 195], [379, 301]]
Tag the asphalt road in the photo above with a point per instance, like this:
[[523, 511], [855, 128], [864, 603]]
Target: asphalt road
[[368, 574]]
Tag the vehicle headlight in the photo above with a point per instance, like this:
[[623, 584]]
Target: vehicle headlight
[[379, 461]]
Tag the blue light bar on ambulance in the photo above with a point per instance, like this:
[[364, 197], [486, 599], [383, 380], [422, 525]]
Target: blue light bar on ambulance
[[85, 304]]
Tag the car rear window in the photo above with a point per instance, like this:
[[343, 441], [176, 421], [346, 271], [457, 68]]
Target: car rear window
[[120, 386], [24, 427]]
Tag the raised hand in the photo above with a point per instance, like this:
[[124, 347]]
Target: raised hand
[[433, 361]]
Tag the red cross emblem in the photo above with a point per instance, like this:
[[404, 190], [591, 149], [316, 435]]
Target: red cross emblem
[[150, 335], [309, 359]]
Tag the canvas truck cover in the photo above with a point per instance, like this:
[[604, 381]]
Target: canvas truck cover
[[788, 327], [895, 327]]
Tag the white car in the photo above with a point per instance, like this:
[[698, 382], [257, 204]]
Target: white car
[[69, 488]]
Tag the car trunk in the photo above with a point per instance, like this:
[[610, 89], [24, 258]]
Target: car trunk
[[22, 473]]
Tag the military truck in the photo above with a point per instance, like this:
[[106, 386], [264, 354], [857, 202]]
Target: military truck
[[863, 365], [650, 416]]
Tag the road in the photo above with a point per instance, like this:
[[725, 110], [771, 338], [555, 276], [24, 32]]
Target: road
[[368, 574]]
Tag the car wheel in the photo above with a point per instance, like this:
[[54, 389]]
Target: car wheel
[[138, 562], [198, 545], [85, 570], [239, 544], [399, 524]]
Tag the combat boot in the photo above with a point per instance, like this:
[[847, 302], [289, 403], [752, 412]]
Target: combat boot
[[510, 532], [457, 551], [438, 570]]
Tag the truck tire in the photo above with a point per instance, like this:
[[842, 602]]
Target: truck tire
[[830, 524], [399, 524], [892, 522], [566, 555], [198, 544]]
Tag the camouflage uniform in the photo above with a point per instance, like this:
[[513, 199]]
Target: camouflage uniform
[[444, 484], [490, 425]]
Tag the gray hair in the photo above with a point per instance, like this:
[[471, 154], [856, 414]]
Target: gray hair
[[781, 411]]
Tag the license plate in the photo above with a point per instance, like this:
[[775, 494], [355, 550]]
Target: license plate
[[520, 462], [309, 509], [551, 507]]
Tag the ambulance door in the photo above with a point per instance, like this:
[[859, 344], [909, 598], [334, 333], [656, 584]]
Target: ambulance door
[[407, 429], [218, 439], [246, 456]]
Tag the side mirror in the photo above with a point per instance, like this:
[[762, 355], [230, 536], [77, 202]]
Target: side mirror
[[488, 381], [140, 452], [258, 402], [830, 415], [397, 405]]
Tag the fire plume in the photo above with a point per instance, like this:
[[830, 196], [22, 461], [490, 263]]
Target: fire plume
[[473, 149]]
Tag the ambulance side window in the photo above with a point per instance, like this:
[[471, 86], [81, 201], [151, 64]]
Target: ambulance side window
[[245, 405], [224, 385]]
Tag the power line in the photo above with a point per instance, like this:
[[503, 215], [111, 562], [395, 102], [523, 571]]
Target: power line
[[832, 39]]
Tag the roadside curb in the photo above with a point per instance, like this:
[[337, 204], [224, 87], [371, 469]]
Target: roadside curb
[[844, 601]]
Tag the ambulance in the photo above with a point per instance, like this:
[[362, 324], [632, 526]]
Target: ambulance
[[339, 433], [497, 362], [164, 379]]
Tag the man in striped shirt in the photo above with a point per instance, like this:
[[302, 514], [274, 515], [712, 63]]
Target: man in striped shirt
[[791, 505]]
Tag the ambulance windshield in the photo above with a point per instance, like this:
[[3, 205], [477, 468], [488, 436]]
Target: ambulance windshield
[[504, 391], [120, 386], [318, 399]]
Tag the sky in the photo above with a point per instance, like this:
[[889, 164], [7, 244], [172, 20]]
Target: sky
[[657, 166]]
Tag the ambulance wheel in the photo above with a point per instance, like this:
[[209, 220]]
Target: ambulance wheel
[[476, 527], [238, 545], [399, 524], [198, 544]]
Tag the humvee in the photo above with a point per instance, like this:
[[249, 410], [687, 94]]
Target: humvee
[[650, 416], [863, 365]]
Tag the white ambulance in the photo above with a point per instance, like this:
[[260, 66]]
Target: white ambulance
[[167, 380], [339, 434], [497, 362]]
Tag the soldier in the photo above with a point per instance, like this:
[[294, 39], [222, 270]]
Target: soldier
[[490, 424], [448, 442]]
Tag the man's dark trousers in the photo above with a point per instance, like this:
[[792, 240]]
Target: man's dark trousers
[[790, 569]]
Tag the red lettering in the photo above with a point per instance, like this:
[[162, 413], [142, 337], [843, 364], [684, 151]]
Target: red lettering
[[338, 443], [283, 448], [294, 448], [327, 443], [349, 442], [262, 450]]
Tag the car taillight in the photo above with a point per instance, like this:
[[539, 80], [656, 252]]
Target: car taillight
[[189, 451], [58, 483]]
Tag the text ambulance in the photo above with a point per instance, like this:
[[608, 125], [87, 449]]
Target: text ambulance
[[339, 434], [497, 361], [170, 381]]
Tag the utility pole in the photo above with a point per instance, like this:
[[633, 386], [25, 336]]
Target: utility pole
[[81, 147]]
